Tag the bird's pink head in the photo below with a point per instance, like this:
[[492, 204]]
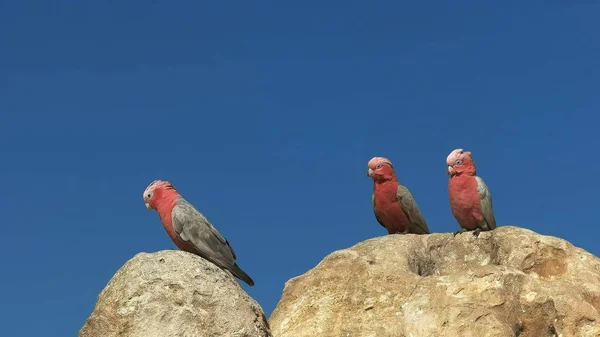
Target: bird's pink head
[[159, 193], [380, 169], [460, 162]]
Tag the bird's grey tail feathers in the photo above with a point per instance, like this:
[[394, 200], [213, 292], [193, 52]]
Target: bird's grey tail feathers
[[418, 228], [239, 273]]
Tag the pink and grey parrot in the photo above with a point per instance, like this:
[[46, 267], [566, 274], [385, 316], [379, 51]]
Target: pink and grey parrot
[[470, 198], [394, 206], [189, 229]]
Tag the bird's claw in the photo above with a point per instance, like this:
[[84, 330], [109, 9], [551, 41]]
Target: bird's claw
[[476, 232], [460, 231]]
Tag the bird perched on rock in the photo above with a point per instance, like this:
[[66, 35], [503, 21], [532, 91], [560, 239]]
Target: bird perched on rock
[[394, 206], [189, 229], [470, 198]]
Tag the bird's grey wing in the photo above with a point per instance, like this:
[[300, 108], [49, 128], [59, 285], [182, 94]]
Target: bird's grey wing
[[485, 199], [375, 211], [194, 228], [410, 207]]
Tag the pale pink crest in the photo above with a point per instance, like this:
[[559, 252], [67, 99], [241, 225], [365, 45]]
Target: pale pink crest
[[378, 160], [455, 155], [156, 184]]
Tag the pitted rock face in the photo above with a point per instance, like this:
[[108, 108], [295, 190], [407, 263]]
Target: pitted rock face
[[173, 293], [508, 282]]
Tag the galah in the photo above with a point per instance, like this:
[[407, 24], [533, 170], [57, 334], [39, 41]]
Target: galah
[[189, 229], [470, 198], [394, 206]]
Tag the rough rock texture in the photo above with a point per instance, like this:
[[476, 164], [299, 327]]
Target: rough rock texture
[[174, 293], [508, 282]]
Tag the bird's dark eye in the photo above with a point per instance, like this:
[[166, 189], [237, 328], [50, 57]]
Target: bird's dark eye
[[458, 162], [378, 166], [149, 195]]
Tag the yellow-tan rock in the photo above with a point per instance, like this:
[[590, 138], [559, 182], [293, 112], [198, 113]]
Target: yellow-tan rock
[[174, 294], [508, 282]]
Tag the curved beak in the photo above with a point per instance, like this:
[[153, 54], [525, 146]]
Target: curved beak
[[370, 173], [148, 206], [449, 170]]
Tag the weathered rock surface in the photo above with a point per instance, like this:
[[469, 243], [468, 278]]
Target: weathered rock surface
[[508, 282], [174, 293]]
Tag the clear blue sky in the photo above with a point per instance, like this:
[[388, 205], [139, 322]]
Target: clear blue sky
[[264, 116]]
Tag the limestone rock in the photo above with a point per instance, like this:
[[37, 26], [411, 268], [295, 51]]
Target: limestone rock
[[174, 293], [508, 282]]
